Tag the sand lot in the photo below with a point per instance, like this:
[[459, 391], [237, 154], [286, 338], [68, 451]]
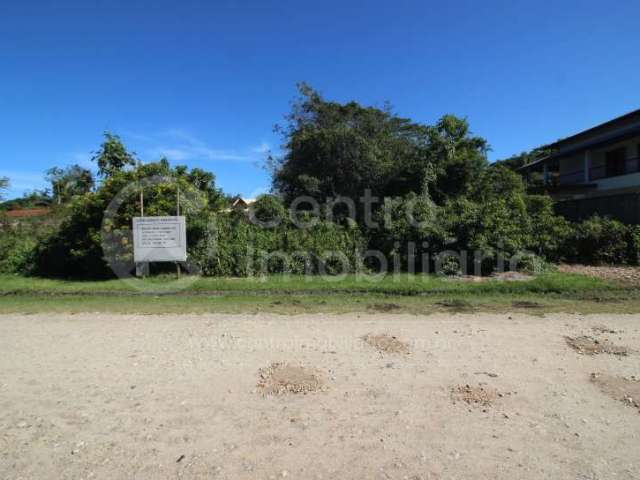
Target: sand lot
[[148, 397]]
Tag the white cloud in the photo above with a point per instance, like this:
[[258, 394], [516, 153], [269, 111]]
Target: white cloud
[[264, 147], [193, 152], [180, 145]]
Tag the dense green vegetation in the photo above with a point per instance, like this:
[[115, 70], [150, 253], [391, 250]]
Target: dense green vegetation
[[352, 181], [335, 149], [69, 182]]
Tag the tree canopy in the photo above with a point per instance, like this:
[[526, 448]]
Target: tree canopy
[[4, 185], [333, 149], [514, 162], [437, 195], [113, 157], [69, 182]]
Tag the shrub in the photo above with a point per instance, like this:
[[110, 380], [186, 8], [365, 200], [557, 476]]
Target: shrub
[[233, 246], [633, 242], [600, 240], [408, 228], [16, 252], [268, 211], [76, 248], [533, 264], [19, 241], [549, 232], [449, 266]]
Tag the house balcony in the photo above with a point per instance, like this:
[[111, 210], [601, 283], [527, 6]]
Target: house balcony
[[600, 172]]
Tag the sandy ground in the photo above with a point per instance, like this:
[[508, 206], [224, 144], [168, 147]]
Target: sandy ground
[[147, 397]]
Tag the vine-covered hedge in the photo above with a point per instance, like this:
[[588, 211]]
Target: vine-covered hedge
[[496, 218]]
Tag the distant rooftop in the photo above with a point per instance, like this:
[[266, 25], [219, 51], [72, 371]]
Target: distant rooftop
[[611, 130]]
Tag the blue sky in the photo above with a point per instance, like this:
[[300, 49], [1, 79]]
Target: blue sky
[[204, 82]]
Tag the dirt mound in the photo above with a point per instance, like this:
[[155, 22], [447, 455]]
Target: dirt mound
[[626, 390], [384, 307], [385, 343], [477, 396], [456, 304], [281, 378], [526, 304], [500, 276], [512, 276], [592, 346], [620, 274], [603, 329]]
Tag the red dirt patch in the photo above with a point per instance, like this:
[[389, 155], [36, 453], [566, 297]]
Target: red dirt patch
[[28, 212]]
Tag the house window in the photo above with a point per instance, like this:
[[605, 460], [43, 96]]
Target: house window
[[615, 162]]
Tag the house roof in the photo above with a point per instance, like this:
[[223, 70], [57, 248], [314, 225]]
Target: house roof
[[243, 201], [28, 212], [616, 129]]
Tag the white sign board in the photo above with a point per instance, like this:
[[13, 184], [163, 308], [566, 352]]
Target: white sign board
[[159, 239]]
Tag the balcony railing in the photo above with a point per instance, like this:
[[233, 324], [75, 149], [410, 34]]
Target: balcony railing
[[631, 165], [571, 178]]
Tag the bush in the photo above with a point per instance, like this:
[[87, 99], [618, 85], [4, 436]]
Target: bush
[[233, 246], [268, 211], [600, 240], [495, 218], [16, 252], [449, 266], [76, 248], [408, 228], [633, 244], [19, 241], [533, 264], [549, 232]]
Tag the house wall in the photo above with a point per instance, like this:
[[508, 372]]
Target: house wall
[[617, 197], [622, 181], [572, 167], [623, 207], [632, 147]]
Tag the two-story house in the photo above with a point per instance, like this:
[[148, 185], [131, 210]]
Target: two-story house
[[595, 171]]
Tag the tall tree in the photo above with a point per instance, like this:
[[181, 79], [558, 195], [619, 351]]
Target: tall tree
[[113, 156], [333, 149], [69, 182], [336, 149], [457, 156], [4, 186]]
